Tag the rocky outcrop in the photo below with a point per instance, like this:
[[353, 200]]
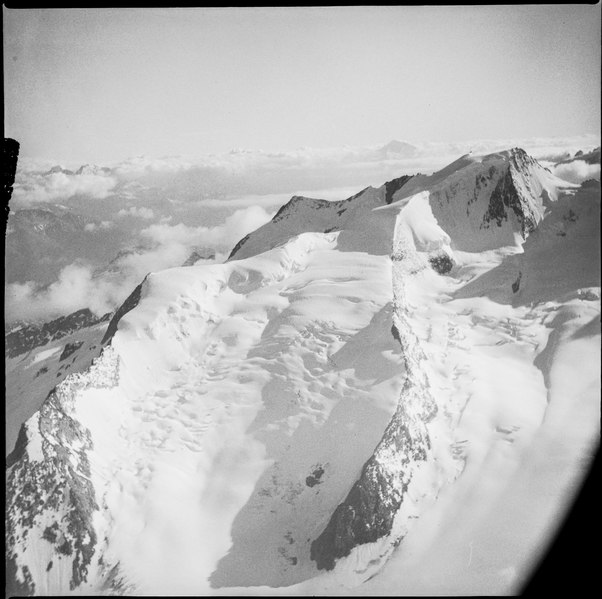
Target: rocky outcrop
[[130, 303], [50, 496], [393, 186], [69, 349], [199, 254], [441, 263], [368, 512], [239, 245], [28, 337], [508, 195]]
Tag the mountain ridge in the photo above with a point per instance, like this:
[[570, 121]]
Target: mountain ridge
[[317, 279]]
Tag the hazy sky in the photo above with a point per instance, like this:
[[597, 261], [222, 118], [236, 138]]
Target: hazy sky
[[101, 85]]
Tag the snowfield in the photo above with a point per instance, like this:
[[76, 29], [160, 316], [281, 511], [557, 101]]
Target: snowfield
[[423, 358]]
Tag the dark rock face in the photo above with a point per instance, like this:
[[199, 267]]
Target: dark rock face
[[50, 496], [58, 487], [239, 245], [314, 478], [368, 512], [393, 186], [441, 263], [516, 284], [69, 349], [13, 586], [130, 303], [20, 446], [31, 336], [507, 195]]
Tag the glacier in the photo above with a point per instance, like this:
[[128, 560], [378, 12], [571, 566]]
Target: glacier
[[370, 396]]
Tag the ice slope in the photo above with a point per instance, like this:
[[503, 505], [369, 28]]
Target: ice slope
[[237, 407]]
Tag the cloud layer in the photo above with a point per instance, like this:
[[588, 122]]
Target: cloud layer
[[577, 171], [166, 207], [38, 188], [80, 285], [247, 172]]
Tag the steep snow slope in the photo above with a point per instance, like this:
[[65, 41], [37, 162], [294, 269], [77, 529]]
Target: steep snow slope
[[235, 372], [308, 404], [42, 358]]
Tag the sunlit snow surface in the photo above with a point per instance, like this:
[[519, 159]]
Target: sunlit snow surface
[[249, 394]]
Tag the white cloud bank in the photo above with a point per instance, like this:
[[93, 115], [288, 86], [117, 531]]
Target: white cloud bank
[[103, 225], [139, 212], [37, 188], [79, 285], [255, 182], [577, 171], [75, 289], [247, 172]]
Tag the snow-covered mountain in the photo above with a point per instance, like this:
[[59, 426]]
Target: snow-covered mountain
[[355, 402]]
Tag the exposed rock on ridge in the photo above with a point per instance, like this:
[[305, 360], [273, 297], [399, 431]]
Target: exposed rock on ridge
[[50, 492], [130, 303], [29, 337], [368, 512]]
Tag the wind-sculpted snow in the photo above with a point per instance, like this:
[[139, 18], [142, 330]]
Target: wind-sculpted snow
[[344, 406]]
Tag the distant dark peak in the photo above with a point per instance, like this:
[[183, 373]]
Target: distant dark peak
[[391, 187], [399, 147], [91, 169], [58, 169], [130, 303], [199, 254], [31, 336], [592, 157]]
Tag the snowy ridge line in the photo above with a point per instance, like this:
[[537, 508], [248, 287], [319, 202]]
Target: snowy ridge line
[[369, 513], [50, 492], [215, 366]]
